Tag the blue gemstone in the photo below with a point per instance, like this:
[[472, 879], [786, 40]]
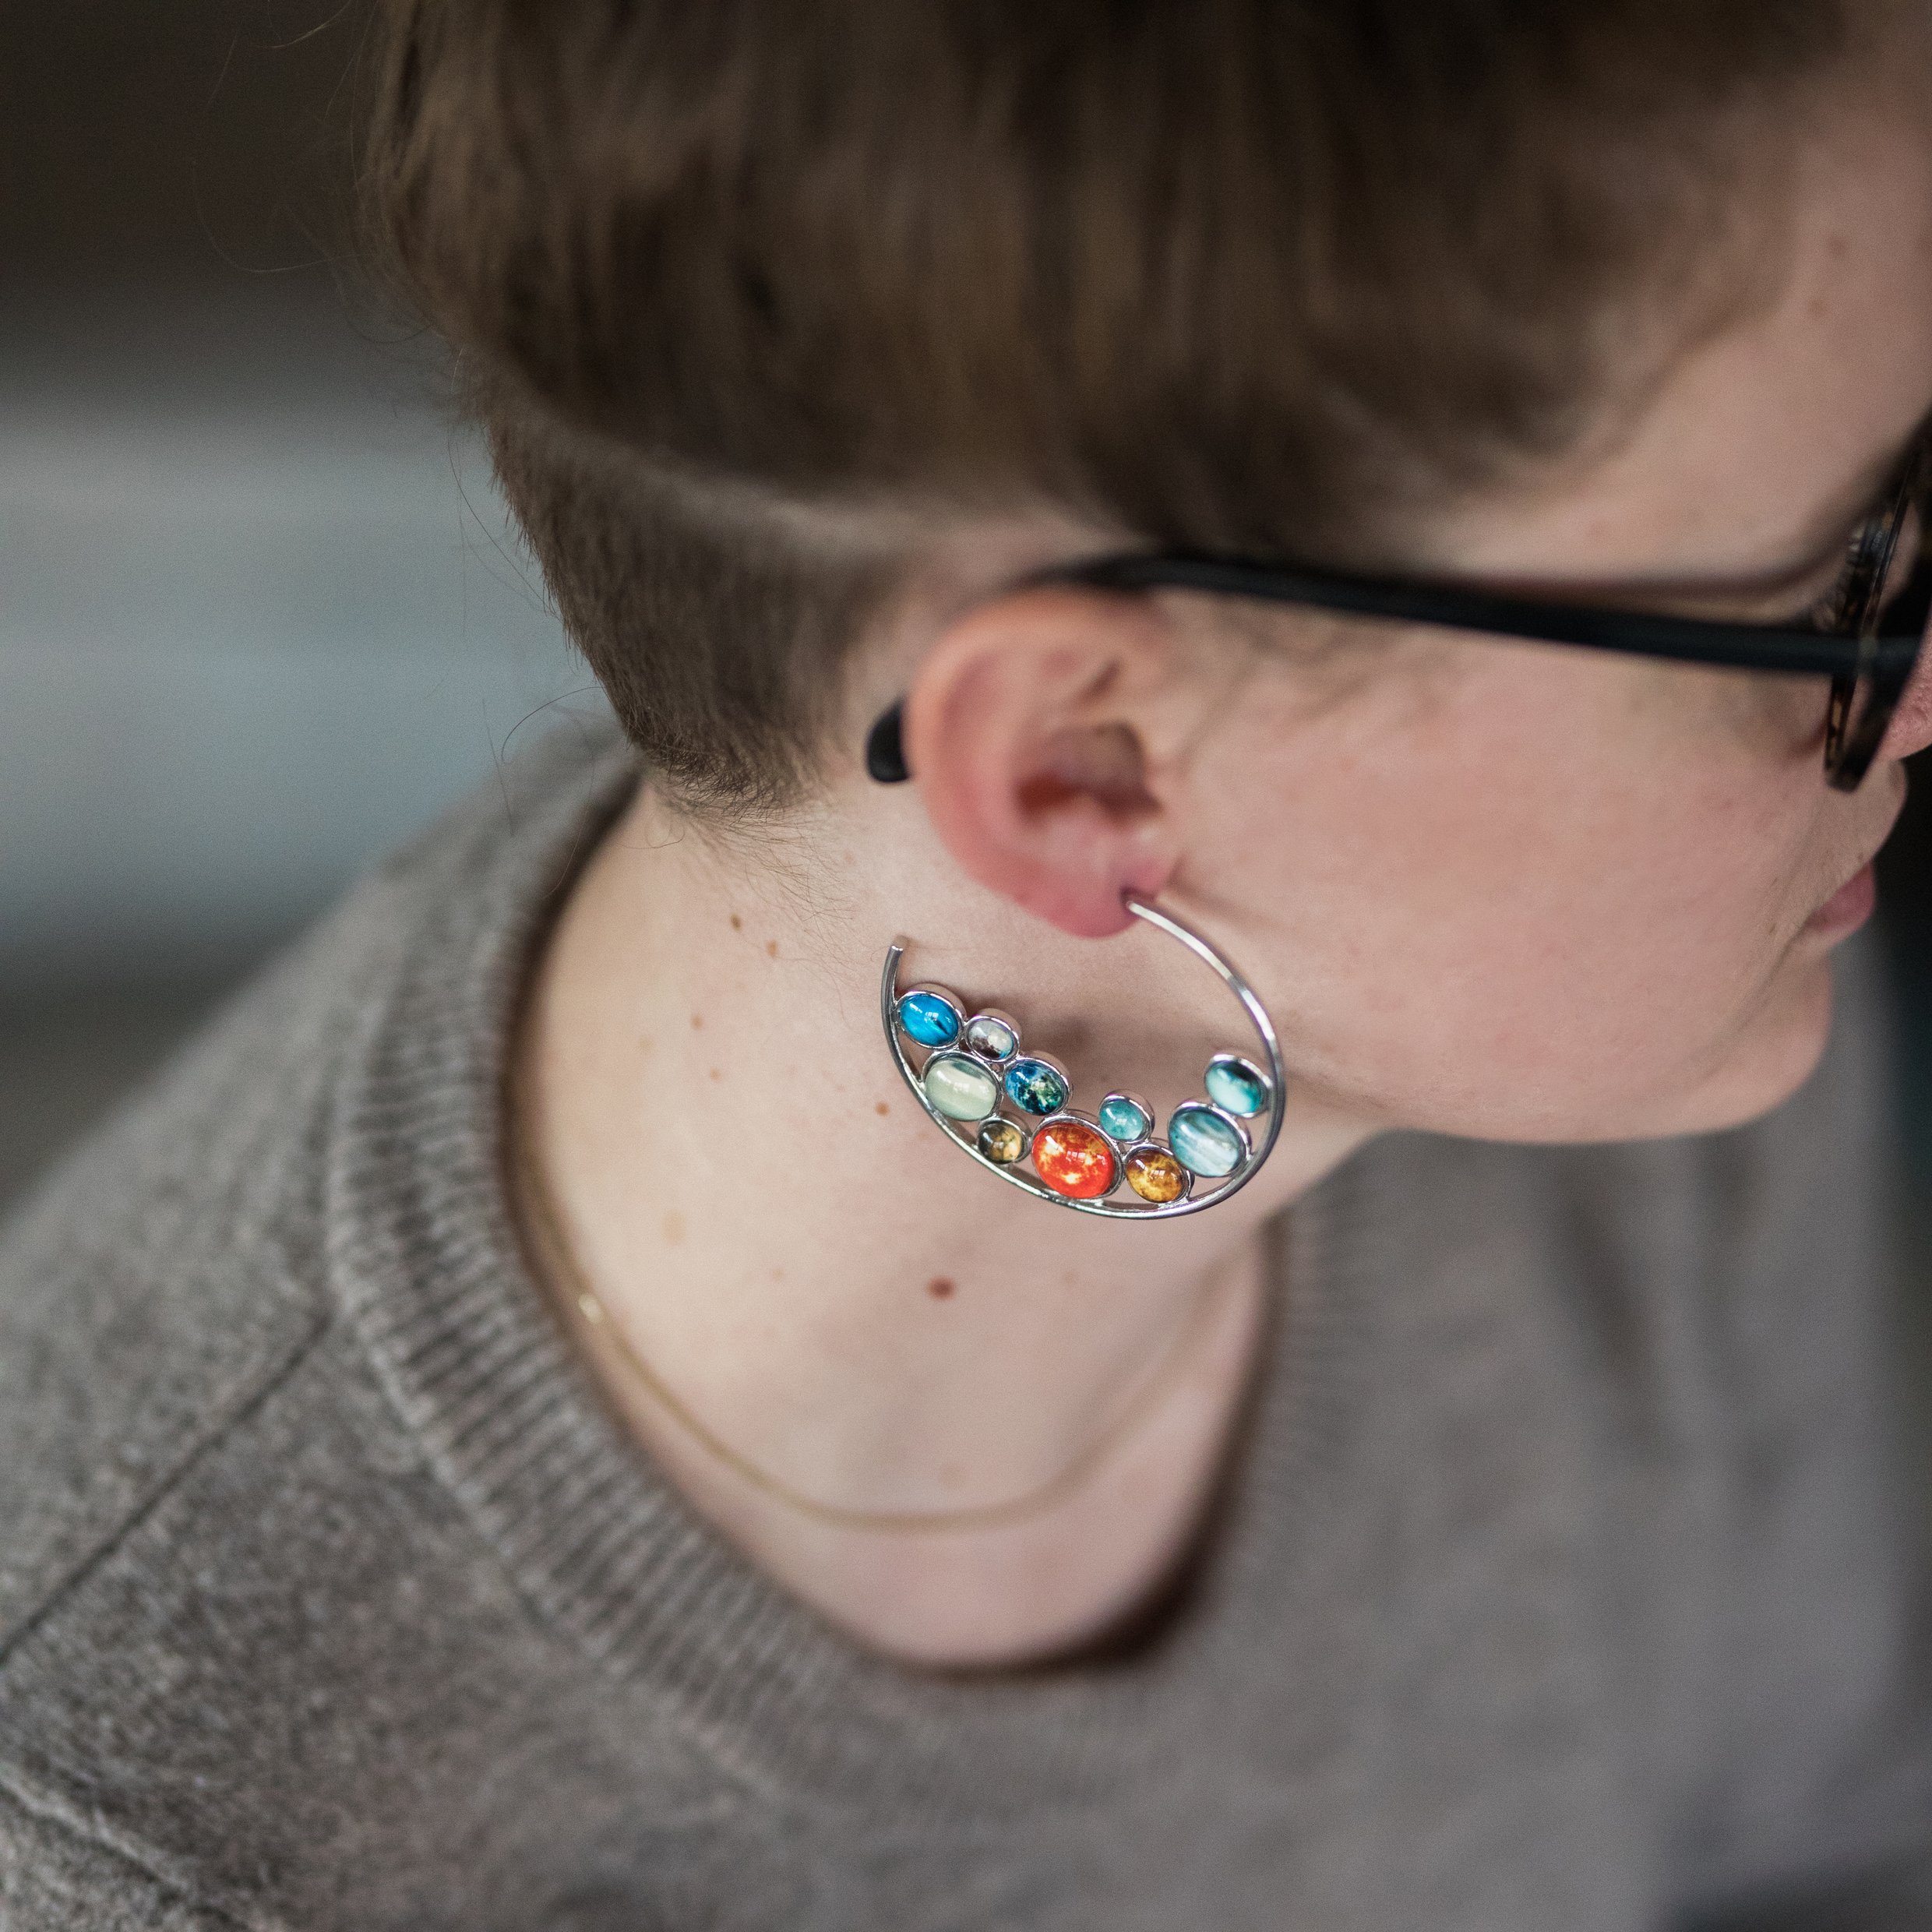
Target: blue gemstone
[[1237, 1086], [1037, 1086], [928, 1018], [1125, 1119], [1203, 1143]]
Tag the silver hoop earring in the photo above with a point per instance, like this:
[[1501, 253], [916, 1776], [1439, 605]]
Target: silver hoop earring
[[1011, 1106]]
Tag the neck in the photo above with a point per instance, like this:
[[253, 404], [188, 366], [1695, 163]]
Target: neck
[[771, 1222]]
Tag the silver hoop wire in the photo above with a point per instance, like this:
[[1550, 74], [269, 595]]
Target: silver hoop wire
[[964, 1134]]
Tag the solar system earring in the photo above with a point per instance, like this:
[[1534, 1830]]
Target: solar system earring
[[1011, 1105]]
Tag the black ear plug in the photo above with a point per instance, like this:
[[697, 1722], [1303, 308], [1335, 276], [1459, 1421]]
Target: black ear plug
[[885, 748]]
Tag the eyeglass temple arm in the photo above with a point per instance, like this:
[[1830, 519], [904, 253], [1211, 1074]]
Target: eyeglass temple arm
[[1691, 640]]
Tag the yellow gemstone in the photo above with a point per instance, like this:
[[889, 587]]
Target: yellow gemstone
[[1154, 1175], [1001, 1141]]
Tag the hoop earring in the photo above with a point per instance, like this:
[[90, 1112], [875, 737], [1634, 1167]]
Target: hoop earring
[[1011, 1107]]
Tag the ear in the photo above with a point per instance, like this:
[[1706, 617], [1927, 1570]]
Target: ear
[[1033, 729]]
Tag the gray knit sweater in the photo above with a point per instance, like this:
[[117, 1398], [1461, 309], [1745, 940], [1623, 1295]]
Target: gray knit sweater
[[1560, 1584]]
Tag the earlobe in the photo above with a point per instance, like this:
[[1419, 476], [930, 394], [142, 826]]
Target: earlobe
[[1028, 729]]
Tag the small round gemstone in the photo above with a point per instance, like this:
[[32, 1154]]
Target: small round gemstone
[[1037, 1086], [1154, 1175], [1237, 1086], [1000, 1140], [1124, 1117], [1075, 1159], [959, 1087], [994, 1035], [928, 1017], [1205, 1142]]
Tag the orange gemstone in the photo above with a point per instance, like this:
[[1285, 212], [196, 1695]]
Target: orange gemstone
[[1154, 1175], [1075, 1159]]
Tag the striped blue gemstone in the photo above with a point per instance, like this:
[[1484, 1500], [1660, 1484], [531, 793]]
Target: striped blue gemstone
[[1203, 1142], [928, 1018]]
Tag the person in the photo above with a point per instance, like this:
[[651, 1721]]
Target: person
[[542, 1418]]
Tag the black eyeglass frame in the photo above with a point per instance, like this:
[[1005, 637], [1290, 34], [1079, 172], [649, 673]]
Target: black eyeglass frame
[[1865, 646]]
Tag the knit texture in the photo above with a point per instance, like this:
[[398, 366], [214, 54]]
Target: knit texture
[[1562, 1577]]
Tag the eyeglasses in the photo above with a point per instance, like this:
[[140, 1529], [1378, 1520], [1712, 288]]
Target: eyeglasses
[[1865, 635]]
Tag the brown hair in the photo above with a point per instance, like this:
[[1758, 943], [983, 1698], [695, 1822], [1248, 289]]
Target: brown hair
[[1250, 274]]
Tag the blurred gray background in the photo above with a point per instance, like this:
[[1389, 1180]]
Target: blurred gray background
[[260, 614]]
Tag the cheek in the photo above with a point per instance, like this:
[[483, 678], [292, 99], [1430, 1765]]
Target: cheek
[[1526, 910]]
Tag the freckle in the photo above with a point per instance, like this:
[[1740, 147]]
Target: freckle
[[940, 1287], [716, 1074], [697, 1021], [643, 1042], [673, 1226], [771, 949], [738, 925], [883, 1108], [778, 1275]]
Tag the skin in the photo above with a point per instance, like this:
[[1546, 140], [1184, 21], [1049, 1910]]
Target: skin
[[1509, 891]]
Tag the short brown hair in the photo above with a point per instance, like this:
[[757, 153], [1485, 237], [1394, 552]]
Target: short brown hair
[[1252, 274]]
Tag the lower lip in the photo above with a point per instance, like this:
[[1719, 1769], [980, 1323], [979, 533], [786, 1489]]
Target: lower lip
[[1849, 907]]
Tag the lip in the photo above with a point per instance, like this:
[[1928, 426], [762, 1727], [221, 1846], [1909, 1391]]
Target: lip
[[1849, 906]]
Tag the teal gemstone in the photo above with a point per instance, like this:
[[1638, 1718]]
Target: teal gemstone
[[1237, 1086], [1036, 1086], [928, 1019], [1205, 1142], [1124, 1118]]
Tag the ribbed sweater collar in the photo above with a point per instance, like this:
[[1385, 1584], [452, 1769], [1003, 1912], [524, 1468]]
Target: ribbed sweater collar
[[427, 1262]]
